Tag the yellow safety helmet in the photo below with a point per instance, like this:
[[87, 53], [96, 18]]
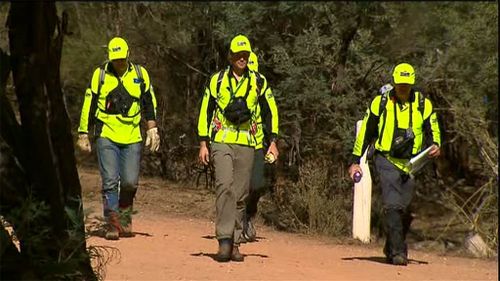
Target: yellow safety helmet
[[240, 43], [117, 49], [253, 62], [403, 74]]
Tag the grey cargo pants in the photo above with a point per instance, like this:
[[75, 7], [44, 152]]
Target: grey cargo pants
[[233, 169]]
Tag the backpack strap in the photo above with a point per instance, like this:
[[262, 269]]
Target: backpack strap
[[220, 77], [383, 103], [421, 103], [384, 98], [260, 82], [219, 80], [381, 110], [102, 75], [384, 92], [138, 70]]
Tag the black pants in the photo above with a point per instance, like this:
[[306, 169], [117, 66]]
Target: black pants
[[397, 193], [263, 178]]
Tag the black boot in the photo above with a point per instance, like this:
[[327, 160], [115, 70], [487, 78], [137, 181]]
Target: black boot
[[387, 251], [395, 248], [407, 218], [225, 250], [399, 260]]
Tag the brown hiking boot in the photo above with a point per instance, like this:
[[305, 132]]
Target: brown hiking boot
[[126, 222], [236, 255], [224, 253], [112, 233], [113, 227], [127, 231]]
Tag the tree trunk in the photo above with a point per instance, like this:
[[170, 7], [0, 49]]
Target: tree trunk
[[49, 221]]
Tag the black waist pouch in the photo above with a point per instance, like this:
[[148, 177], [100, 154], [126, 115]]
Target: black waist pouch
[[119, 101], [237, 111], [402, 144]]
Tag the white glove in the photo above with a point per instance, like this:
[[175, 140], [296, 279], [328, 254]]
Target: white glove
[[153, 138], [84, 143]]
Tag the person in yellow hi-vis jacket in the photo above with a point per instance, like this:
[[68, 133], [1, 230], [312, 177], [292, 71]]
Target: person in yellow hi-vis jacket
[[396, 121], [227, 124], [119, 95], [263, 170]]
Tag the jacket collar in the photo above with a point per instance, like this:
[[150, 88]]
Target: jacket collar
[[245, 72]]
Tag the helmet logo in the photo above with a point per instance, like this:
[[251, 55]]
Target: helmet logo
[[404, 74], [116, 49], [241, 43]]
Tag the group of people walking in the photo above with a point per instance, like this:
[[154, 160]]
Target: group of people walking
[[238, 129]]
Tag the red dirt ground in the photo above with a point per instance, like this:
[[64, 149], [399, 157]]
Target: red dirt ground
[[174, 241]]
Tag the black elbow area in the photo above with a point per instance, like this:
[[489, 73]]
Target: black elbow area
[[148, 107]]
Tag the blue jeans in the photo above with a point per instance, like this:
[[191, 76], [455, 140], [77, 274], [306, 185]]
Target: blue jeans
[[119, 166]]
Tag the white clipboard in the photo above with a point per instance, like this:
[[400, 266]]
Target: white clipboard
[[419, 161]]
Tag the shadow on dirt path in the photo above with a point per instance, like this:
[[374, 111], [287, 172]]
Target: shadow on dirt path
[[174, 241]]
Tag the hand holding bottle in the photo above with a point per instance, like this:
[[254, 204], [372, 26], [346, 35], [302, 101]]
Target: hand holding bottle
[[355, 172]]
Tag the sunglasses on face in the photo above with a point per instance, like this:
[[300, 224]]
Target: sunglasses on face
[[241, 55]]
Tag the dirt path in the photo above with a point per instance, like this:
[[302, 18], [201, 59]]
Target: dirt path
[[171, 245]]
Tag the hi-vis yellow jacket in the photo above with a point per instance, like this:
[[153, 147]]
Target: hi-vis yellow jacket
[[381, 127], [118, 128], [268, 122], [213, 126]]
